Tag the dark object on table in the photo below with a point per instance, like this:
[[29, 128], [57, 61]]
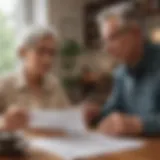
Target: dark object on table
[[87, 82], [12, 145], [102, 90]]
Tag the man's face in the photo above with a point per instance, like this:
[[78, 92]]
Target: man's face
[[120, 42]]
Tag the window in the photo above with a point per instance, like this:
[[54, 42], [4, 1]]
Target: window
[[7, 35], [15, 15]]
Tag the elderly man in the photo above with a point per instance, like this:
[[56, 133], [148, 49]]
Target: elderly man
[[134, 106]]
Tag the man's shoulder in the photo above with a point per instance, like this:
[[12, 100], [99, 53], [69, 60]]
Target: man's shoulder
[[155, 57], [154, 47], [153, 50]]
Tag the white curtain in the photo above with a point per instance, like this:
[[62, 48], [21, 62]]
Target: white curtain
[[31, 12]]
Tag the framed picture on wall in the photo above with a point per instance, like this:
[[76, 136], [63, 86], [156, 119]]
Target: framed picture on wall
[[153, 6]]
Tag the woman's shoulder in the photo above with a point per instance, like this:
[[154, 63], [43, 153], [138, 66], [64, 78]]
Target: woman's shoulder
[[8, 80]]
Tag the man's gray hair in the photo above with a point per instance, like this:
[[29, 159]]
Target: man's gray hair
[[125, 12], [33, 34]]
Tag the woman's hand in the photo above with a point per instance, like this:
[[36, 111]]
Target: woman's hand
[[15, 118]]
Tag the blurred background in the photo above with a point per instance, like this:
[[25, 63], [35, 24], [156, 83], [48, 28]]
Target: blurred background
[[82, 66]]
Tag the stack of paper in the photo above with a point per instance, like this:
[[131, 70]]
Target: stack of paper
[[67, 120], [84, 145], [79, 143]]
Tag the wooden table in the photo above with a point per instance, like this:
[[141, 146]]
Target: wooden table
[[150, 151]]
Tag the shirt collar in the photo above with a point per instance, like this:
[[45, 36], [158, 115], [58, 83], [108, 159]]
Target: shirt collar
[[142, 66]]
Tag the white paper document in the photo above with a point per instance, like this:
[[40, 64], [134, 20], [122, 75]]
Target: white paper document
[[67, 119], [84, 145]]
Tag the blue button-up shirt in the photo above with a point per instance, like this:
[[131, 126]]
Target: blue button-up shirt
[[137, 91]]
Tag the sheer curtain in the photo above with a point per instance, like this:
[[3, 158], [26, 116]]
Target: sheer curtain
[[7, 34], [15, 16]]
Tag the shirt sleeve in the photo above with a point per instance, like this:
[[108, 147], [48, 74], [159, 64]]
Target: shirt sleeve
[[113, 103], [151, 122]]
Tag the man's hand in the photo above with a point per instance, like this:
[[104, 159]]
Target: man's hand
[[118, 124], [15, 118], [91, 111]]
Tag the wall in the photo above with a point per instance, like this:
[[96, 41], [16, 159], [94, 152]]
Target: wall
[[67, 16]]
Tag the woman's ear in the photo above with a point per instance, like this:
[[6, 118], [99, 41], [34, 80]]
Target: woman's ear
[[21, 52]]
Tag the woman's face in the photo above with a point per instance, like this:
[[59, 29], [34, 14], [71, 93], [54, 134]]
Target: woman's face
[[39, 59]]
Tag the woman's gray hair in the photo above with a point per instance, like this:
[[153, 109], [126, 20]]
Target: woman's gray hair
[[125, 12], [33, 34]]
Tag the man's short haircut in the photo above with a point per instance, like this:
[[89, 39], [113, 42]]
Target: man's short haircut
[[125, 12]]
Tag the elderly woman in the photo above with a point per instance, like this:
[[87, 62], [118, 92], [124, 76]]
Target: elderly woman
[[33, 85]]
